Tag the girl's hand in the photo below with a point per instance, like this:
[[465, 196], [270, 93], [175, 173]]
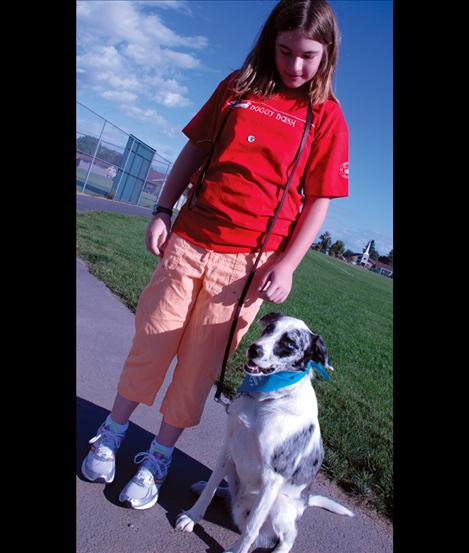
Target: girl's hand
[[157, 234], [276, 283]]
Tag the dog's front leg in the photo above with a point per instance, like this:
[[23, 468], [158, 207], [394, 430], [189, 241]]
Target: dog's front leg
[[261, 508], [187, 519]]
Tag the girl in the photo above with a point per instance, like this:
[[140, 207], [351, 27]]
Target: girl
[[187, 308]]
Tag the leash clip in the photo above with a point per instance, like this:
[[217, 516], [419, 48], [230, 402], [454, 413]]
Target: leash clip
[[225, 404]]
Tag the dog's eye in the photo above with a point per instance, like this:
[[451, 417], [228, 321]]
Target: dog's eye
[[285, 347], [289, 345]]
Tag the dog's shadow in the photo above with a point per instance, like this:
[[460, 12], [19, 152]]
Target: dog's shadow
[[175, 496]]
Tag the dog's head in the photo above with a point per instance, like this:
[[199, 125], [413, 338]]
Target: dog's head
[[286, 344]]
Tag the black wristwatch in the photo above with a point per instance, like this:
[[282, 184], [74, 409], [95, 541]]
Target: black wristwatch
[[160, 209]]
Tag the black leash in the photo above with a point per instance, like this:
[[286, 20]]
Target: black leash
[[309, 120]]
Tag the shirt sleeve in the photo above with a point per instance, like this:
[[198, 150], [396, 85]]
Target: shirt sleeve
[[204, 125], [326, 171]]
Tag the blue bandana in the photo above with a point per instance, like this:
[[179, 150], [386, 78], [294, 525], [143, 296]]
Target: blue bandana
[[319, 369], [272, 382]]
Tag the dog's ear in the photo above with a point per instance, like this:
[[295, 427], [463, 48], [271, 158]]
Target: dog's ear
[[318, 351], [270, 318]]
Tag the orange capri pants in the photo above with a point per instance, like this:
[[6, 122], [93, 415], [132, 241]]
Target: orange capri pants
[[186, 310]]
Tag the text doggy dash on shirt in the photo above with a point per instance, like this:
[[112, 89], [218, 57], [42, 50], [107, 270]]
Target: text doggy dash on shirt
[[267, 111]]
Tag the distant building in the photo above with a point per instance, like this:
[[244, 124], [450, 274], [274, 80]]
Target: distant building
[[154, 182], [383, 269], [357, 259], [363, 260]]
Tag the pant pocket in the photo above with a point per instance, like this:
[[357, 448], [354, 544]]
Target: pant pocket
[[173, 253]]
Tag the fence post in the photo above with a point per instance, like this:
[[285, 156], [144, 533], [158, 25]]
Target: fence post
[[94, 156]]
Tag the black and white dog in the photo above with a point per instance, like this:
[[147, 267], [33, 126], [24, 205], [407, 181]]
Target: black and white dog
[[273, 449]]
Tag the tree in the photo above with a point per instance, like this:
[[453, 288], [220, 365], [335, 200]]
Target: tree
[[87, 144], [348, 253], [325, 240], [390, 256], [337, 248]]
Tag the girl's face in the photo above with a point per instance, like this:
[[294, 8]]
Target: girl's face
[[297, 58]]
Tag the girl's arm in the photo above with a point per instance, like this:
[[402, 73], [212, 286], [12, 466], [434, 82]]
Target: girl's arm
[[188, 161], [276, 283]]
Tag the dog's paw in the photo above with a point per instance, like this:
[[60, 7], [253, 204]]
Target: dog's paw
[[184, 523]]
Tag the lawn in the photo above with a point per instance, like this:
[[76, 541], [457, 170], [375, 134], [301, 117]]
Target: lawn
[[351, 308]]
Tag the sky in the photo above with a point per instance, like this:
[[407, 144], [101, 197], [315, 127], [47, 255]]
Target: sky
[[149, 66]]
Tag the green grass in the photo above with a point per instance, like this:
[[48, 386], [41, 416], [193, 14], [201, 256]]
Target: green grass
[[351, 309]]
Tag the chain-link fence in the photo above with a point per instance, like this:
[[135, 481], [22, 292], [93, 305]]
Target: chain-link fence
[[115, 164]]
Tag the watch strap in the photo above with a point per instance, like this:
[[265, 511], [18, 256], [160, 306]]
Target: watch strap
[[160, 209]]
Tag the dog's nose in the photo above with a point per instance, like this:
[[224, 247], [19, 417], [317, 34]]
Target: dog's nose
[[255, 351]]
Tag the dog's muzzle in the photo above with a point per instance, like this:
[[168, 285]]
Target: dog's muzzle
[[252, 369]]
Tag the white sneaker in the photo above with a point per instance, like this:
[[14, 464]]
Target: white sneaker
[[100, 463], [142, 491]]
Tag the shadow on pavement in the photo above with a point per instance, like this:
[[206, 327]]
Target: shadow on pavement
[[175, 494]]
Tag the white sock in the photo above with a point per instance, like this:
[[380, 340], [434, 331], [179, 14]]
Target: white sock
[[155, 446], [115, 426]]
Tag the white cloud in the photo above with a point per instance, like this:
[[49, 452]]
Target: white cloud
[[110, 21], [167, 92], [147, 115], [179, 5], [179, 59], [118, 82], [173, 99], [163, 59], [126, 52], [117, 96], [151, 116], [121, 21], [100, 57], [163, 35]]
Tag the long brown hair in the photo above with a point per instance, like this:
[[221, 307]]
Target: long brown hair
[[315, 18]]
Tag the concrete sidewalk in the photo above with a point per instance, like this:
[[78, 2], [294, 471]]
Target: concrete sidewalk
[[104, 335]]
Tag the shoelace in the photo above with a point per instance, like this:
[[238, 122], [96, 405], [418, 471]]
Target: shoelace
[[157, 467], [110, 439]]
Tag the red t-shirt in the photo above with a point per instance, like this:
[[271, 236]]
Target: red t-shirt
[[251, 163]]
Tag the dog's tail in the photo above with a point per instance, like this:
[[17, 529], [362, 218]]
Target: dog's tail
[[326, 503]]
